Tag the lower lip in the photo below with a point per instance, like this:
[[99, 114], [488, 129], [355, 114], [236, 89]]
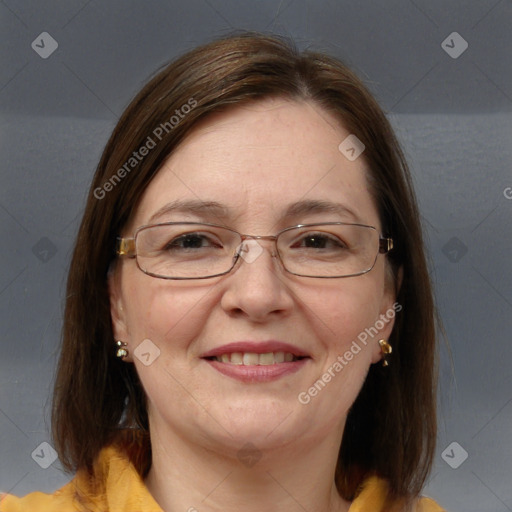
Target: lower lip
[[257, 373]]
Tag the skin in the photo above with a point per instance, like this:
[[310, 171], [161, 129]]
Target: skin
[[256, 159]]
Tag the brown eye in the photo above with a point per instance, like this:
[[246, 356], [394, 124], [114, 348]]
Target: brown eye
[[319, 241], [191, 241]]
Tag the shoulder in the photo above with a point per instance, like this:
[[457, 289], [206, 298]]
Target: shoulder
[[81, 494], [428, 505], [373, 493], [62, 499], [116, 487]]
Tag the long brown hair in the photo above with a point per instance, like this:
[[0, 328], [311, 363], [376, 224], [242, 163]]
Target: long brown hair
[[391, 428]]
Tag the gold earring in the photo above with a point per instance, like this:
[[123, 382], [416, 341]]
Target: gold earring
[[385, 349], [121, 351]]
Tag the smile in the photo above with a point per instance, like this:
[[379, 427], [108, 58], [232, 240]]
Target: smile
[[256, 362], [254, 359]]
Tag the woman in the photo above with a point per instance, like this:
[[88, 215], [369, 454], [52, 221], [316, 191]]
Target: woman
[[249, 320]]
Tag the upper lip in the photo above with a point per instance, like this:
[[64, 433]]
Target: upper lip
[[256, 347]]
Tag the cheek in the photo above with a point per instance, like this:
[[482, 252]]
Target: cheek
[[162, 311], [343, 310], [339, 316]]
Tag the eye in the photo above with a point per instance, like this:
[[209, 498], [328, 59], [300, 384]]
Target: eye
[[191, 241], [319, 241]]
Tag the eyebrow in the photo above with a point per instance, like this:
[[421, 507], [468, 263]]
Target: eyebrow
[[314, 206], [205, 208], [223, 212]]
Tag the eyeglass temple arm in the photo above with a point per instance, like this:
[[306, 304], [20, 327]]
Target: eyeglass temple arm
[[125, 247], [385, 245]]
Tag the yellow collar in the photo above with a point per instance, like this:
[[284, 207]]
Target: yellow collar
[[119, 488]]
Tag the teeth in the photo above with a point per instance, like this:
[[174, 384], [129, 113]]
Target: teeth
[[279, 357], [236, 357], [266, 358], [253, 359]]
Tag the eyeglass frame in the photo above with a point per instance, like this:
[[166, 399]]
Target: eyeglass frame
[[127, 247]]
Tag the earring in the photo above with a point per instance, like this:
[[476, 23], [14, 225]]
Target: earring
[[121, 351], [385, 349]]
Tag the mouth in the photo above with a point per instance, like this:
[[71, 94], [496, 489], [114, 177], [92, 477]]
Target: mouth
[[256, 361]]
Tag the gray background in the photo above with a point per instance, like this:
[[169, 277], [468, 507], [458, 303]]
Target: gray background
[[453, 116]]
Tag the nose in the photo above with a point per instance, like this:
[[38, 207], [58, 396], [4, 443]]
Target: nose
[[257, 287]]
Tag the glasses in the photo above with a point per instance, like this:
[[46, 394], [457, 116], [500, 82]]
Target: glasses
[[191, 250]]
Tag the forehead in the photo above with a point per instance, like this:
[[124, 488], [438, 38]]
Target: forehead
[[257, 160]]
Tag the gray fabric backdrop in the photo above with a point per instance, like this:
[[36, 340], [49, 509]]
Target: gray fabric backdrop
[[69, 68]]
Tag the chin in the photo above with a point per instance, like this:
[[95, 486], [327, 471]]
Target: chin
[[267, 427]]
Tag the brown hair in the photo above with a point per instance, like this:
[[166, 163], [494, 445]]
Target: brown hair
[[391, 428]]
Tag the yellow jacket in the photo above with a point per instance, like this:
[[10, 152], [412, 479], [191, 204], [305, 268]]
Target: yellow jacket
[[122, 490]]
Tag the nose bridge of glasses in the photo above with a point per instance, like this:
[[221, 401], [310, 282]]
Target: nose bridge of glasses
[[254, 240]]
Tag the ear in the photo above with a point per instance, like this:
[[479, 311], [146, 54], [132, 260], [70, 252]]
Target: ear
[[389, 308], [117, 310]]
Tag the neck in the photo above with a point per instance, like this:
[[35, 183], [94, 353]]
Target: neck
[[188, 477]]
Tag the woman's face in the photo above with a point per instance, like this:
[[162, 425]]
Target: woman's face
[[267, 166]]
